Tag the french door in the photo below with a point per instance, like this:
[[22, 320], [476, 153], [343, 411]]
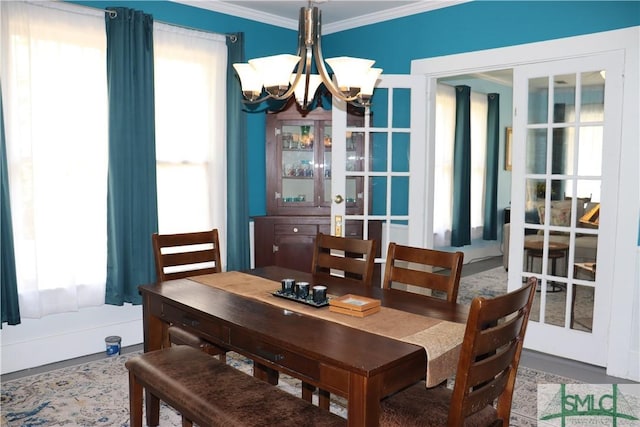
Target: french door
[[566, 143], [390, 168]]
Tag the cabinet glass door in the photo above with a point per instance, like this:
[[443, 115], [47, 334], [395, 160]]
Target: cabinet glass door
[[298, 164], [354, 161], [326, 182]]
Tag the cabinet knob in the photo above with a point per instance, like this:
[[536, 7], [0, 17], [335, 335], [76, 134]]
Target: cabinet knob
[[295, 229], [338, 199], [275, 249]]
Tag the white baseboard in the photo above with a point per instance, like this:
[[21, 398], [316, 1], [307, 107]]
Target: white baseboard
[[60, 337]]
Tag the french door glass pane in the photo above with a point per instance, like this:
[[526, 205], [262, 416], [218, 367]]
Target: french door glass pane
[[564, 95], [536, 161], [400, 161], [538, 100]]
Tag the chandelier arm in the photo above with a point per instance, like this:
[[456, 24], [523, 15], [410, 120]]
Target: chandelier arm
[[307, 78], [324, 75]]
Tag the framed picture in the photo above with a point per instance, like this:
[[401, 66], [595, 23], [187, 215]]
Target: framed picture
[[508, 137]]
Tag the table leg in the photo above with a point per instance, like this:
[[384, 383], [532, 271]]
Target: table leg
[[154, 332], [363, 402]]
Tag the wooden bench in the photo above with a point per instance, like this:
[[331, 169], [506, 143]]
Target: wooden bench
[[210, 393]]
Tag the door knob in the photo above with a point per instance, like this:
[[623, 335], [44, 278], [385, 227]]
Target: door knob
[[338, 199]]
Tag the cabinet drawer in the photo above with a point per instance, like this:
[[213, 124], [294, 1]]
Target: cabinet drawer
[[206, 328], [281, 358], [299, 229]]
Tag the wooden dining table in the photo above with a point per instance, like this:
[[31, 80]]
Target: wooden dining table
[[343, 355]]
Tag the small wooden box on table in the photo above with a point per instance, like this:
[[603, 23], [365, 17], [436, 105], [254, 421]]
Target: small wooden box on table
[[354, 305]]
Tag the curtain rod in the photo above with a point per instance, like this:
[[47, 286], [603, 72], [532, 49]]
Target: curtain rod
[[75, 8], [113, 14]]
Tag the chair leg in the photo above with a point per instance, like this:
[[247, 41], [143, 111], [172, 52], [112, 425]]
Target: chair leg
[[323, 395], [135, 401], [323, 399], [307, 391], [186, 422], [223, 357], [153, 409]]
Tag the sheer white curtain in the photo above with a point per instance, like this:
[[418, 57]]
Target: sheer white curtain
[[53, 71], [443, 183], [191, 110]]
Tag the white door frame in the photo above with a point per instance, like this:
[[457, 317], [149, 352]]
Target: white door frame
[[623, 357]]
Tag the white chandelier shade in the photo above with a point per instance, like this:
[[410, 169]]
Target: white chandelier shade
[[353, 80]]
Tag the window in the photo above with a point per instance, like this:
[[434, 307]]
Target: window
[[190, 93], [55, 98]]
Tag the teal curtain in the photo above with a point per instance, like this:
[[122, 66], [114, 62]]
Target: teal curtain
[[490, 226], [132, 213], [461, 210], [237, 239], [10, 310]]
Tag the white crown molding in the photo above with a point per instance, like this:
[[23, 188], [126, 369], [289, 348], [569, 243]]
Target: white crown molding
[[389, 14], [364, 19], [241, 12]]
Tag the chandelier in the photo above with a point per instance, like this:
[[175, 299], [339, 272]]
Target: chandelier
[[281, 76]]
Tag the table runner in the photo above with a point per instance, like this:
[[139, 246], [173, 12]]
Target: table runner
[[440, 338]]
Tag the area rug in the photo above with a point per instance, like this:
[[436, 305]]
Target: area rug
[[96, 394], [493, 282]]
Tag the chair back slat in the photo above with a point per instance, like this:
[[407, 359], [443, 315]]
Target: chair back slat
[[425, 268], [186, 254], [491, 338], [490, 353], [354, 258], [478, 399], [488, 368]]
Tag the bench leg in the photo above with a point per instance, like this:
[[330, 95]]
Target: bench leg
[[135, 401]]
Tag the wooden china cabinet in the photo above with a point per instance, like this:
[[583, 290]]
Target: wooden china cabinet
[[298, 156]]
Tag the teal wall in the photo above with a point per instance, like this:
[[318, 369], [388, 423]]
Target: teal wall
[[394, 44], [477, 25]]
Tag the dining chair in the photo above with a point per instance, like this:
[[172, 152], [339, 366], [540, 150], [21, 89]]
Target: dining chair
[[341, 256], [335, 256], [182, 255], [486, 373], [424, 268]]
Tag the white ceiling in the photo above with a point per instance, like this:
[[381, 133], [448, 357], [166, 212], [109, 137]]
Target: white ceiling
[[337, 15]]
